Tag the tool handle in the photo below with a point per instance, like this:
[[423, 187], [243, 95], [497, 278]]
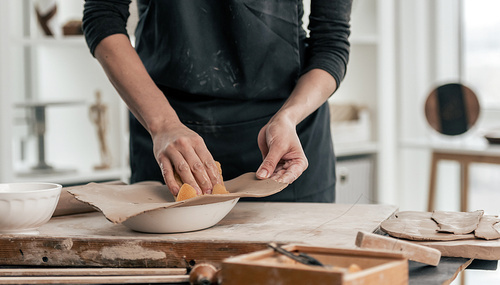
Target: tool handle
[[409, 250]]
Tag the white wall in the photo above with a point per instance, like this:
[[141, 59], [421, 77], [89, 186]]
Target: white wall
[[5, 94], [429, 55]]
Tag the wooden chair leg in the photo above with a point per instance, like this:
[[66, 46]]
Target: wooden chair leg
[[432, 183]]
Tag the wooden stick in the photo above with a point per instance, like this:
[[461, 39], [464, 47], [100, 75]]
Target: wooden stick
[[410, 250], [90, 271], [95, 279]]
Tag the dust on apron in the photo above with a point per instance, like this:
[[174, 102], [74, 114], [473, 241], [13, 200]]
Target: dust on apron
[[226, 67]]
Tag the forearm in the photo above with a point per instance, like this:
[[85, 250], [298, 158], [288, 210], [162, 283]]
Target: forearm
[[130, 78], [312, 90]]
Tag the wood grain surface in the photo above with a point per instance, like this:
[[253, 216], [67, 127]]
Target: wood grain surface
[[90, 240]]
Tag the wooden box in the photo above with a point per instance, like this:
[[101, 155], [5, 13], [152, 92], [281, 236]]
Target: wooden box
[[270, 267]]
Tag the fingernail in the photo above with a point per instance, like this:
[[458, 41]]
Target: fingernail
[[262, 173]]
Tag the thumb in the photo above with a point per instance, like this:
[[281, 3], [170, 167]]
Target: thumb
[[269, 164]]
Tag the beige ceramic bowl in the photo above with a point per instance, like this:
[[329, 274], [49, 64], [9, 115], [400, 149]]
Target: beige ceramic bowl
[[181, 219], [24, 207]]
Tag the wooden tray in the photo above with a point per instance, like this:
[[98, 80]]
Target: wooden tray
[[270, 267]]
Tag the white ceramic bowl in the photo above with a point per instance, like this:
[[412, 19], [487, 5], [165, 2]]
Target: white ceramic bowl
[[24, 207], [181, 219]]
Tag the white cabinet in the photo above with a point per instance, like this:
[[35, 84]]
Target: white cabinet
[[60, 74], [355, 181]]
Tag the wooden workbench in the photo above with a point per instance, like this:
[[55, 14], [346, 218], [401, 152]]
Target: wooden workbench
[[90, 240]]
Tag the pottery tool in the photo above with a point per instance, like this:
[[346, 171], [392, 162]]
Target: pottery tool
[[204, 274], [411, 251], [301, 257]]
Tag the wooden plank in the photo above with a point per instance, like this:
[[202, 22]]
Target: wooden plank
[[89, 240], [96, 279], [472, 248], [89, 271], [411, 251], [109, 253]]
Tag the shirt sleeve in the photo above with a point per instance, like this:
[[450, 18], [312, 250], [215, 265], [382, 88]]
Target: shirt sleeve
[[328, 43], [102, 18]]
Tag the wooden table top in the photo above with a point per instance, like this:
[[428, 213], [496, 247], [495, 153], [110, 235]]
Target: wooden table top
[[474, 146], [90, 240]]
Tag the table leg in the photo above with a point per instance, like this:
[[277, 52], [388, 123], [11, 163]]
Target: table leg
[[464, 185], [432, 182]]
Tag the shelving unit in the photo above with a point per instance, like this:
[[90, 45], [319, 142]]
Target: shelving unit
[[51, 69]]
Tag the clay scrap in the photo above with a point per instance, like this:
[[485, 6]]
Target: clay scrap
[[442, 226], [458, 223], [488, 228]]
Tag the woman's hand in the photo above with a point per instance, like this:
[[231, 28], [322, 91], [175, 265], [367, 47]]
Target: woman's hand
[[283, 157], [175, 146], [179, 148]]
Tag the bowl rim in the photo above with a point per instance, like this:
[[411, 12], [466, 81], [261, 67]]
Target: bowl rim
[[55, 186]]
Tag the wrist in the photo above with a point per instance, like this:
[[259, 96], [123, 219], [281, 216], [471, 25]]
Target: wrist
[[161, 124], [286, 116]]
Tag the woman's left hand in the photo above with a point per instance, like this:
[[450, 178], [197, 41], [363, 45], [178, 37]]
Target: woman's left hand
[[283, 157]]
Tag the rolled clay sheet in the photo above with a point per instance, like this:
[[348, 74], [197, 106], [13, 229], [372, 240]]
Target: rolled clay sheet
[[414, 225], [458, 223], [121, 202]]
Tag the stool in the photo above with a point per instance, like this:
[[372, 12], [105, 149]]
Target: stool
[[463, 156]]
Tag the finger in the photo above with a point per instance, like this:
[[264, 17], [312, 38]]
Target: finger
[[202, 166], [292, 173], [211, 168], [269, 164], [189, 165], [261, 141], [168, 176], [181, 166], [200, 174], [190, 150], [277, 173]]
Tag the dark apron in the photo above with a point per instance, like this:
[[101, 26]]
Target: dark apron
[[226, 66]]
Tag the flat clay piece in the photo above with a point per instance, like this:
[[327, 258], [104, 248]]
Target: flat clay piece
[[121, 202], [413, 225], [186, 192], [457, 222], [488, 228]]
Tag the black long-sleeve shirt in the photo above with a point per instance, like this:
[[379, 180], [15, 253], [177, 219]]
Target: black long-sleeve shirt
[[185, 50], [329, 30]]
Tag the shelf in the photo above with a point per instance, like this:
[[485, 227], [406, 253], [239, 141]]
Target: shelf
[[471, 145], [67, 41], [363, 40], [354, 149], [74, 178]]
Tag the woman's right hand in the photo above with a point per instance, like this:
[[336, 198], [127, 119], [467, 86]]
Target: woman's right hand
[[175, 146], [178, 148]]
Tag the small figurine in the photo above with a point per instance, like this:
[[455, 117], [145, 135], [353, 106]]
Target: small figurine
[[98, 116], [46, 14]]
